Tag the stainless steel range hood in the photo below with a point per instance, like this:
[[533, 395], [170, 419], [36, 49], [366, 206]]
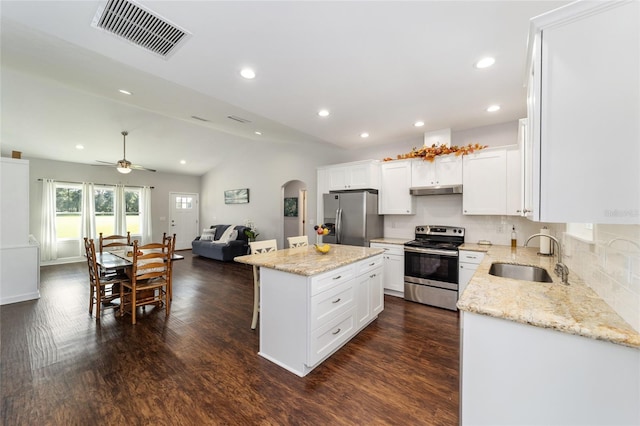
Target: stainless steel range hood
[[436, 190]]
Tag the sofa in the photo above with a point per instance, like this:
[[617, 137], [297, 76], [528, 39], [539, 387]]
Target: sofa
[[221, 242]]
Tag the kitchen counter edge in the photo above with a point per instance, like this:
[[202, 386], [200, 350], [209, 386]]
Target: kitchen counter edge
[[574, 309], [307, 261]]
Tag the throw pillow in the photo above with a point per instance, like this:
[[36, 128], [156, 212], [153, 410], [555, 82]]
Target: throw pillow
[[226, 235], [208, 234]]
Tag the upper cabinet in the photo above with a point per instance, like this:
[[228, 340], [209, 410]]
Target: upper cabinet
[[583, 108], [444, 170], [485, 182], [356, 175], [394, 197]]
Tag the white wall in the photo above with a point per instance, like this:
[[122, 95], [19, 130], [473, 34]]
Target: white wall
[[163, 183], [264, 171]]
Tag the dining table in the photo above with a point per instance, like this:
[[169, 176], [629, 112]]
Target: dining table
[[119, 262]]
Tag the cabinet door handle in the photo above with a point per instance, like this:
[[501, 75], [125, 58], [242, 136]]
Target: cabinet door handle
[[371, 264], [336, 332], [337, 300], [372, 276], [338, 277]]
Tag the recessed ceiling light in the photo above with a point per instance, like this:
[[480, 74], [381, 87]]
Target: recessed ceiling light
[[79, 146], [323, 113], [248, 73], [485, 62], [493, 108], [364, 135], [258, 133], [183, 162], [419, 123], [124, 92]]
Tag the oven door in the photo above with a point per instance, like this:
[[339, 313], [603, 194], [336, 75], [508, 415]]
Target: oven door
[[425, 266]]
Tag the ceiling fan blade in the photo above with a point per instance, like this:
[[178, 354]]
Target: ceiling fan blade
[[138, 167], [110, 163]]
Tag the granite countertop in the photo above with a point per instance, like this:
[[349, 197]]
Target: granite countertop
[[574, 309], [385, 240], [307, 261]]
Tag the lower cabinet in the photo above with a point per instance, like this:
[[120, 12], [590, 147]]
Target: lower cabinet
[[303, 320], [393, 268], [517, 374], [468, 262]]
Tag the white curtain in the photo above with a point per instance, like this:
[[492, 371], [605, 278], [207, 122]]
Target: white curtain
[[145, 215], [48, 241], [88, 218], [119, 211]]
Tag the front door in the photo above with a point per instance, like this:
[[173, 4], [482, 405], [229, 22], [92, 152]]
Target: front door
[[184, 218]]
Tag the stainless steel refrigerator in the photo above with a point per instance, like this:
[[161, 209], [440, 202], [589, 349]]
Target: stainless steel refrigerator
[[352, 217]]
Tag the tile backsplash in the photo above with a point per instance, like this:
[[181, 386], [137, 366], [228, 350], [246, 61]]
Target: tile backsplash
[[610, 265]]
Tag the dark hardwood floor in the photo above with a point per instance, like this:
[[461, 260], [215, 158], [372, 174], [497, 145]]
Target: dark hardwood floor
[[200, 365]]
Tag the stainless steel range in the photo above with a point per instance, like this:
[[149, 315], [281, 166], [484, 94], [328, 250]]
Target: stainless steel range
[[431, 266]]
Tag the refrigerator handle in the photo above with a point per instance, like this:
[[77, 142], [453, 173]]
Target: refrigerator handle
[[339, 226]]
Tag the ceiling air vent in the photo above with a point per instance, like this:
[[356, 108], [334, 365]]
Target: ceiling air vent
[[238, 119], [140, 26]]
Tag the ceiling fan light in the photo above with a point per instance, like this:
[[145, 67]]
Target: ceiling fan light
[[124, 170]]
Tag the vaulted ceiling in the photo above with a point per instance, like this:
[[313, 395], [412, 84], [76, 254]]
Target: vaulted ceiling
[[378, 67]]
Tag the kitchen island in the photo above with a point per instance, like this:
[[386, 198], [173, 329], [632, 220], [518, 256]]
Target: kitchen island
[[543, 353], [311, 303]]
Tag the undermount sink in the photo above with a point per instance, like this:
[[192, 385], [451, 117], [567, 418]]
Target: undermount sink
[[520, 272]]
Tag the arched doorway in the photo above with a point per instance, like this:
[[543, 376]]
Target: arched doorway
[[294, 210]]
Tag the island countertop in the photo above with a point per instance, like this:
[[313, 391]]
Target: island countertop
[[574, 309], [307, 261]]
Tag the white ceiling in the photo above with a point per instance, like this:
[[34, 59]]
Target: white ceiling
[[377, 66]]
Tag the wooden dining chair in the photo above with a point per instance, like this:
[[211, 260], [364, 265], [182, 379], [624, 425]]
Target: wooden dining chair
[[115, 242], [102, 288], [171, 239], [258, 247], [301, 241], [150, 278]]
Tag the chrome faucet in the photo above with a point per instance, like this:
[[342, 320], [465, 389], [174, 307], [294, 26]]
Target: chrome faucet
[[561, 269]]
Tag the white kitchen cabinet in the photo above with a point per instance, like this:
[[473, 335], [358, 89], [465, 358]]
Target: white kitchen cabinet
[[517, 374], [444, 170], [485, 182], [468, 262], [394, 196], [514, 182], [305, 319], [583, 108], [369, 291], [393, 268], [356, 175]]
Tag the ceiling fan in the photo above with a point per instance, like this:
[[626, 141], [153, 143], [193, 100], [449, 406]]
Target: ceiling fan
[[124, 166]]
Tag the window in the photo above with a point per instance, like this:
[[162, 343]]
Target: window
[[184, 203], [132, 201], [68, 215], [104, 211], [105, 216]]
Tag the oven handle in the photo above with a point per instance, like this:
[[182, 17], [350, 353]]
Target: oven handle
[[431, 251]]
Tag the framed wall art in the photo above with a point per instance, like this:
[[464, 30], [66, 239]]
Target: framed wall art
[[236, 196], [291, 207]]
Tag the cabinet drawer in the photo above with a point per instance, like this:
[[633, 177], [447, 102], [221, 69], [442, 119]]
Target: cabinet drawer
[[329, 304], [395, 249], [331, 336], [331, 279], [369, 264], [471, 256]]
